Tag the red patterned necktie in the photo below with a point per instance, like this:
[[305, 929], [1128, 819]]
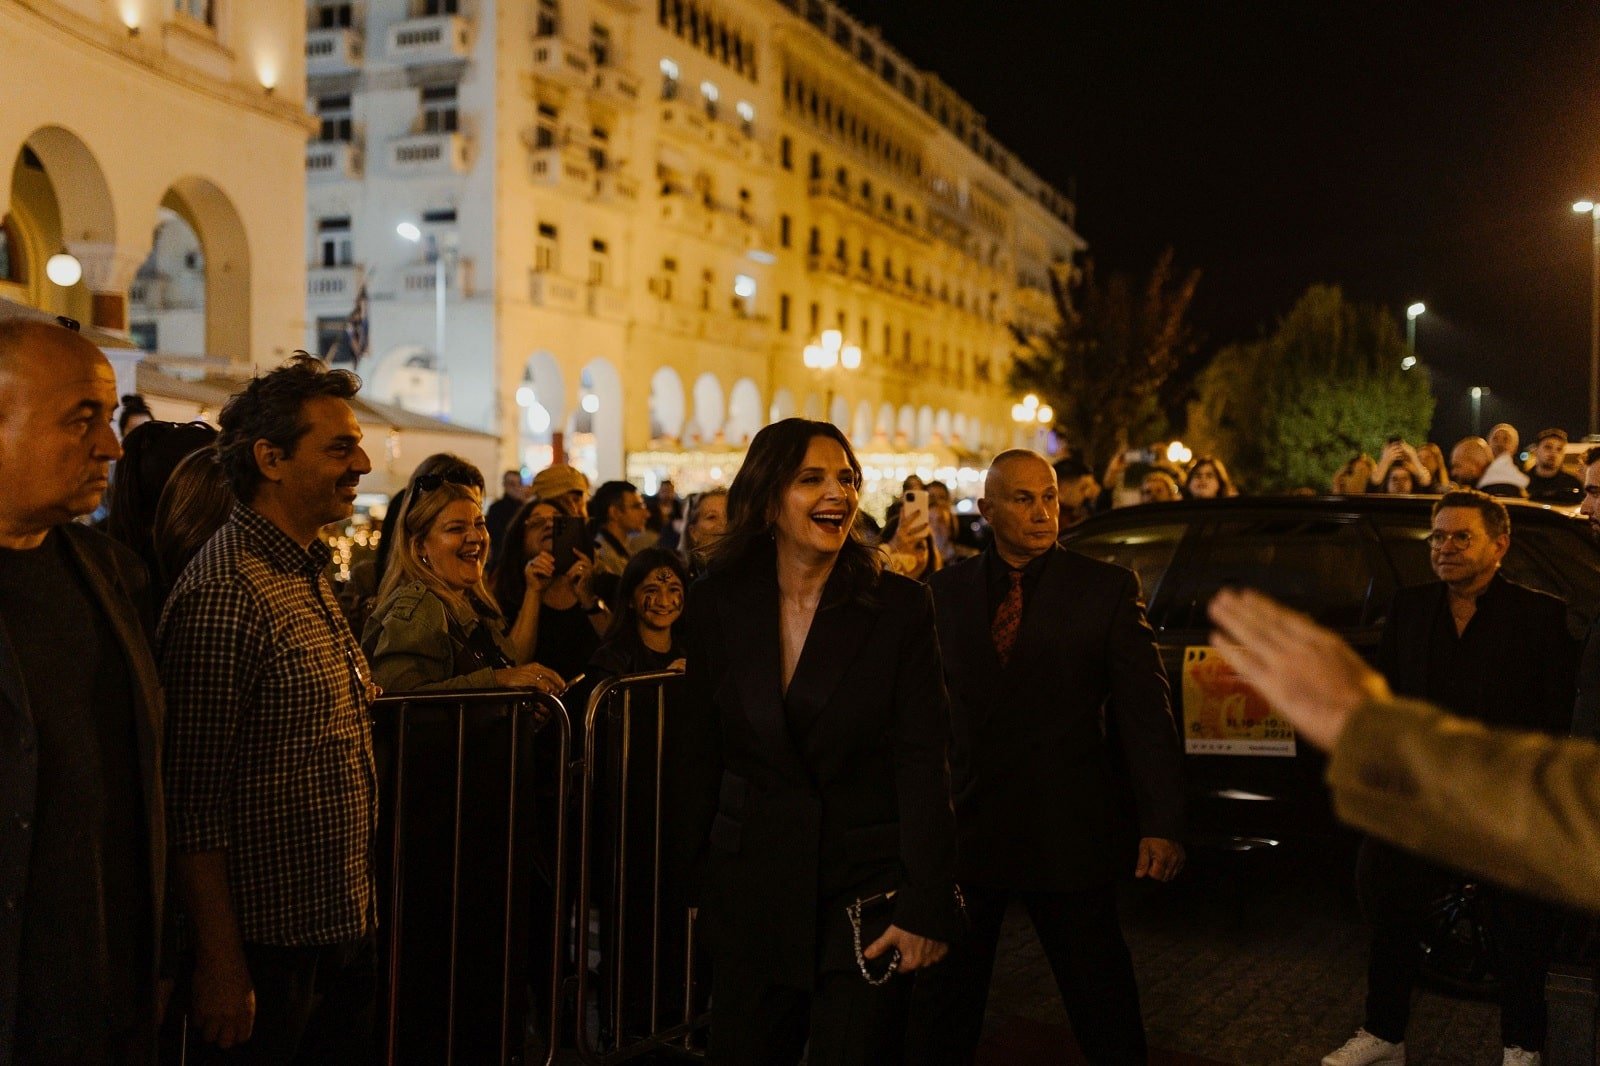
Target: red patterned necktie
[[1008, 619]]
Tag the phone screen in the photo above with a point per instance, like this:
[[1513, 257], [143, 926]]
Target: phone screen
[[914, 508], [566, 540]]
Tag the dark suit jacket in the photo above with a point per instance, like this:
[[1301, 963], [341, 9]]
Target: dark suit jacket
[[1529, 684], [1033, 767], [116, 581], [795, 805]]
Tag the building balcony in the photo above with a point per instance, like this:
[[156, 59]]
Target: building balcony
[[432, 39], [675, 319], [681, 212], [561, 62], [333, 161], [561, 169], [616, 85], [431, 153], [684, 119], [333, 285], [420, 280], [333, 51], [608, 303], [556, 293], [611, 186]]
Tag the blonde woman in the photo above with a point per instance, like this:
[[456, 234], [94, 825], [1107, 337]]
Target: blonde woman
[[437, 624]]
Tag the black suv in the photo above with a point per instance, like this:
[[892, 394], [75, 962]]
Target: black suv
[[1340, 560]]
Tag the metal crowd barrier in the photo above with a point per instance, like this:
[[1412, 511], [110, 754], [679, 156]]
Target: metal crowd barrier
[[613, 769], [462, 801]]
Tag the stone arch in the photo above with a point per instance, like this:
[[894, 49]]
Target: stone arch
[[710, 409], [58, 199], [924, 426], [861, 428], [941, 425], [813, 407], [215, 220], [906, 424], [83, 197], [540, 410], [595, 446], [885, 422], [783, 405], [404, 376], [668, 407], [959, 430], [744, 412], [840, 414]]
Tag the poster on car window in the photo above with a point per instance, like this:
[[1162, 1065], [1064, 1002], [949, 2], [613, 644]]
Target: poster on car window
[[1224, 716]]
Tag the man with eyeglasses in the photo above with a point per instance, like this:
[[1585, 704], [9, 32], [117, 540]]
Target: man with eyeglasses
[[1486, 648]]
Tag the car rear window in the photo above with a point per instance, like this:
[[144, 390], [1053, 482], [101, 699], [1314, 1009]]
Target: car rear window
[[1146, 549], [1327, 567]]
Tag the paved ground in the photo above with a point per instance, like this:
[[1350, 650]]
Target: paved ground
[[1255, 960]]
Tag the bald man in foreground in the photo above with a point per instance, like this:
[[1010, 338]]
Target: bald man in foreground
[[81, 846], [1521, 809], [1054, 679]]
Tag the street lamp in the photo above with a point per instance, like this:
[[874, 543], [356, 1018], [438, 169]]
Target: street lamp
[[1414, 312], [1590, 208], [1477, 392], [829, 355], [410, 232], [64, 269], [1033, 414]]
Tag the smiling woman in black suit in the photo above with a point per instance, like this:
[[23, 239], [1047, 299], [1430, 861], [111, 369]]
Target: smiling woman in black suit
[[811, 755]]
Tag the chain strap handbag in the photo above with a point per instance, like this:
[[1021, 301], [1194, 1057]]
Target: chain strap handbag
[[865, 909]]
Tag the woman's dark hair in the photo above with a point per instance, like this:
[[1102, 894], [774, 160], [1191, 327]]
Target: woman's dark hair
[[133, 405], [271, 407], [624, 618], [150, 453], [506, 579], [193, 506], [1225, 486], [770, 466]]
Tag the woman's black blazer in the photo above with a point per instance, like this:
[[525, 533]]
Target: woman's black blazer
[[791, 806]]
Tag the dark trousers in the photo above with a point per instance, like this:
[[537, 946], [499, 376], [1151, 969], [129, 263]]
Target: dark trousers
[[314, 1005], [1396, 891], [845, 1021], [1082, 938]]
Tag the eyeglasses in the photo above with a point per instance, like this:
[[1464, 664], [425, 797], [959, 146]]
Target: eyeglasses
[[462, 476], [1460, 538]]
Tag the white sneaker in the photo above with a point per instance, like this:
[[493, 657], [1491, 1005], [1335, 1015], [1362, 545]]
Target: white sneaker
[[1515, 1056], [1364, 1049]]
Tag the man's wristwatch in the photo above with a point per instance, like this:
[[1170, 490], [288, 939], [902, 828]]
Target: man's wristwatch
[[597, 607]]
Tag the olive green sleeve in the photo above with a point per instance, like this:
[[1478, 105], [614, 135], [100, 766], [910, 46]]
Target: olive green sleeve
[[1521, 809], [410, 649]]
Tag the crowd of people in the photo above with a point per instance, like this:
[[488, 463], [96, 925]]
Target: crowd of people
[[887, 736]]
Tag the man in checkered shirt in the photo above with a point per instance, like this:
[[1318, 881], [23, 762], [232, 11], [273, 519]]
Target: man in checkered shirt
[[271, 790]]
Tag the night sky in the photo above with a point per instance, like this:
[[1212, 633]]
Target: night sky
[[1406, 151]]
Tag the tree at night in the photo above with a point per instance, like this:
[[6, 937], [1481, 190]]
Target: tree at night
[[1104, 364], [1287, 411]]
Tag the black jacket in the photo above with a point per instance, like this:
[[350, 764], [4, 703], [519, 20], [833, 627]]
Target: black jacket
[[1528, 683], [795, 805], [1038, 742], [117, 583]]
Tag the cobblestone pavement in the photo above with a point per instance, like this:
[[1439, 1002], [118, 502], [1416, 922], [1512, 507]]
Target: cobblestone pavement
[[1247, 960]]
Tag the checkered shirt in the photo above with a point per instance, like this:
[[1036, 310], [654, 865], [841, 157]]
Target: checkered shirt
[[268, 744]]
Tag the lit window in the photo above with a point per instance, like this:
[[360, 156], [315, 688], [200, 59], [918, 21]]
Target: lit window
[[202, 11]]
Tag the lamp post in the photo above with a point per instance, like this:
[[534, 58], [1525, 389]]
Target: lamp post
[[1477, 392], [410, 232], [829, 355], [1590, 208], [1414, 312], [1033, 414]]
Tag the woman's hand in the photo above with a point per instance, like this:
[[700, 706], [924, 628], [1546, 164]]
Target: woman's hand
[[531, 675], [677, 665], [538, 572], [915, 951], [580, 578]]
